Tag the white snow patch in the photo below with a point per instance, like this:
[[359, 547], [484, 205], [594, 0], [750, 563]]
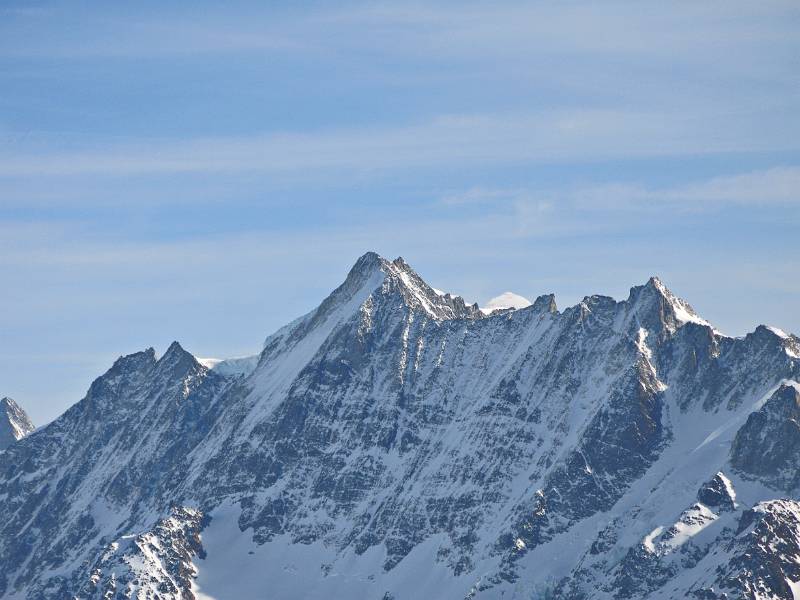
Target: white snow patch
[[641, 343], [692, 522], [728, 487], [795, 587], [684, 315], [648, 539]]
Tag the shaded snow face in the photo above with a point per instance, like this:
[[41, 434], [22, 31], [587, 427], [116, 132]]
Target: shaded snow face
[[398, 442]]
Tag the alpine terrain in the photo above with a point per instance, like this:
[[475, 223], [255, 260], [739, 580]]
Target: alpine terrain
[[399, 443]]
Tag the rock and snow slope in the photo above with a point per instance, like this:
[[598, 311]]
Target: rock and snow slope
[[14, 423], [398, 443]]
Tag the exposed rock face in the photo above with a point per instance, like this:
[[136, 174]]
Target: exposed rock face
[[718, 493], [768, 445], [14, 423], [151, 565], [395, 431], [759, 560]]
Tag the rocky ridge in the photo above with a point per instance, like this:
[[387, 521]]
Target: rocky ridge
[[609, 450]]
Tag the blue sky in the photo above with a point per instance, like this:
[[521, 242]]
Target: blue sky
[[208, 171]]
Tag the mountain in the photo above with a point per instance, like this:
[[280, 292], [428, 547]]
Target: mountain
[[14, 423], [505, 300], [396, 442]]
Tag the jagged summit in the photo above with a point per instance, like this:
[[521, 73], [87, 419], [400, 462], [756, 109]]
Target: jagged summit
[[375, 280], [616, 449], [651, 306], [546, 303], [773, 336], [659, 310], [419, 295], [653, 301], [373, 276], [14, 423], [176, 356], [371, 284], [365, 267]]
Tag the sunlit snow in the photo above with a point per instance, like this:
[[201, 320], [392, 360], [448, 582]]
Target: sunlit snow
[[505, 300]]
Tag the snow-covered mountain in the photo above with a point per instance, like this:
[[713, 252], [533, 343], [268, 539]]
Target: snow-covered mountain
[[14, 423], [396, 442], [505, 300]]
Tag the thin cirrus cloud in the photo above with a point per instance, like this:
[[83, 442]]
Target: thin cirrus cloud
[[543, 137], [773, 186], [452, 31]]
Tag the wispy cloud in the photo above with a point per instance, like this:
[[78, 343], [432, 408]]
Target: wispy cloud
[[483, 195], [778, 185], [543, 137], [68, 34], [448, 29]]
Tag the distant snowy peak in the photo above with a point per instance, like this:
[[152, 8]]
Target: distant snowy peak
[[14, 423], [240, 365], [505, 300]]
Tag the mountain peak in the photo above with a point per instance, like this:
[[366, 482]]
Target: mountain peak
[[14, 423], [177, 358], [367, 263], [545, 303], [656, 283], [656, 308], [421, 296], [401, 263], [374, 271], [175, 350]]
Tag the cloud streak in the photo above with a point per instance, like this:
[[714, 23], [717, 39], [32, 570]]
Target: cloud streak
[[774, 186], [542, 137]]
